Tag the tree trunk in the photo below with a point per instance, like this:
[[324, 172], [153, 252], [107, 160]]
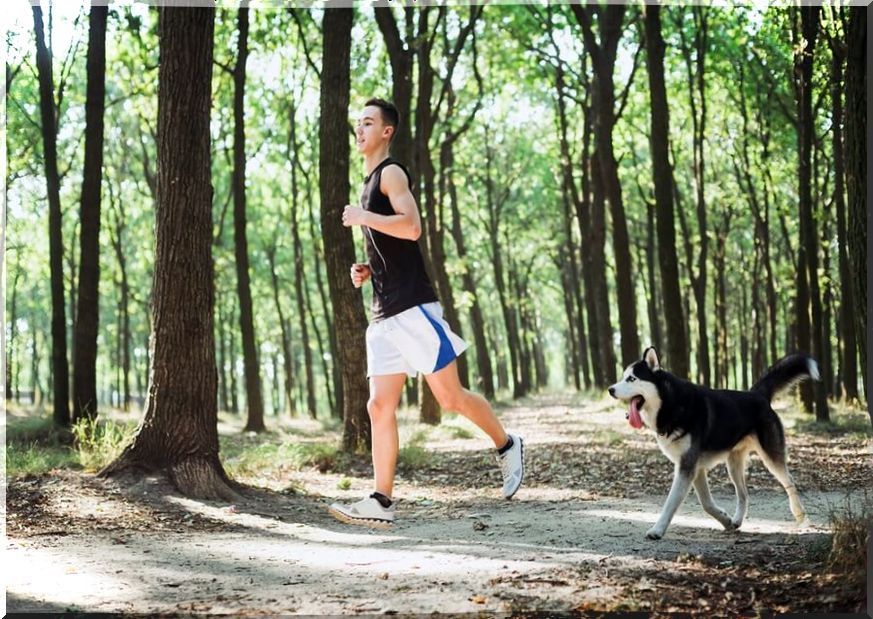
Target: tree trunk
[[254, 397], [677, 346], [846, 324], [597, 266], [11, 361], [349, 321], [483, 358], [332, 377], [116, 234], [603, 55], [299, 274], [224, 402], [856, 175], [88, 313], [808, 246], [287, 355], [60, 371], [179, 432]]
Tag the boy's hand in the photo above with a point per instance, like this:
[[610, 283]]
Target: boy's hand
[[353, 216], [360, 273]]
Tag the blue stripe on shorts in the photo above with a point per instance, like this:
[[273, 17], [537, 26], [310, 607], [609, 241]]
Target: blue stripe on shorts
[[446, 354]]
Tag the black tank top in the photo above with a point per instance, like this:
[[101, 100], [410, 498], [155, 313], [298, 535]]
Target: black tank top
[[397, 266]]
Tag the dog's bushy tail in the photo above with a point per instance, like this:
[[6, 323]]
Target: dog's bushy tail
[[785, 373]]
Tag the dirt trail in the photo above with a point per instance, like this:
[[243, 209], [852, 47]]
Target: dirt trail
[[573, 538]]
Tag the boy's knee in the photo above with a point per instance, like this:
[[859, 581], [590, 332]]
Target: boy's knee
[[378, 410], [453, 401]]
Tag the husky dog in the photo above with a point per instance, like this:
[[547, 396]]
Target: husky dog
[[697, 428]]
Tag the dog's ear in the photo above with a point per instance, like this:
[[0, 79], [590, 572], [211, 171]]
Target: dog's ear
[[650, 356]]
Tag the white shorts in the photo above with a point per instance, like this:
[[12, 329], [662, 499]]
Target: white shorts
[[415, 340]]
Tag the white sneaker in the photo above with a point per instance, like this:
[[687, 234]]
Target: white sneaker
[[366, 512], [512, 466]]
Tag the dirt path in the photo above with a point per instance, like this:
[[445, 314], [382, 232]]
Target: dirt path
[[573, 539]]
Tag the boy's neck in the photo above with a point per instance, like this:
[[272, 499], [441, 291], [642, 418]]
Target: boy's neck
[[371, 160]]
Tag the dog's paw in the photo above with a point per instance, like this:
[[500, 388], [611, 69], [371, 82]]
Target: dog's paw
[[733, 525], [654, 534]]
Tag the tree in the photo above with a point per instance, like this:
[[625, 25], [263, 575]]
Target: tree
[[179, 433], [677, 346], [254, 397], [60, 370], [88, 314], [849, 352], [349, 321], [856, 172], [603, 56], [808, 246]]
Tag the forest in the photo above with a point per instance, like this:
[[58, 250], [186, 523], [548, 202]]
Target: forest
[[592, 179]]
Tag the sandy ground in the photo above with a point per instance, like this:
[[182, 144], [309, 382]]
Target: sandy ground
[[572, 538]]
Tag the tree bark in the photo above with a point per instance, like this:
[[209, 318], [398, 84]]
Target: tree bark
[[677, 346], [254, 397], [179, 432], [88, 314], [847, 340], [483, 358], [287, 354], [60, 370], [603, 56], [349, 321], [856, 174], [808, 246], [299, 273]]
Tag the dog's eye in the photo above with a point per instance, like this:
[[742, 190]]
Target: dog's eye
[[631, 379]]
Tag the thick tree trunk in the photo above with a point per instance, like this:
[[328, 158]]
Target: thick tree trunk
[[88, 314], [677, 346], [349, 321], [858, 214], [254, 397], [60, 370], [179, 432]]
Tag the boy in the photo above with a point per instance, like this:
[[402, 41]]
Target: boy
[[407, 333]]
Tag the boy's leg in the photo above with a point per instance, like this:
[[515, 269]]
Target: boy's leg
[[385, 392], [452, 396]]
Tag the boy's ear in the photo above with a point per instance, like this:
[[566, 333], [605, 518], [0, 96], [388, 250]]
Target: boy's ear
[[650, 356]]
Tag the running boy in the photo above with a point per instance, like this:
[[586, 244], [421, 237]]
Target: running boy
[[407, 333]]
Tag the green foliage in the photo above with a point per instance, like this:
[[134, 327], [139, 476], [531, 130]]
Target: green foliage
[[249, 460], [34, 458], [98, 443]]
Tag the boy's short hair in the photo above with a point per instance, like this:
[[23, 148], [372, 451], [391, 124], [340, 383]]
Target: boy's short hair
[[390, 114]]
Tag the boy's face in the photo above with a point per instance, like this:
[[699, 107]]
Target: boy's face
[[370, 130]]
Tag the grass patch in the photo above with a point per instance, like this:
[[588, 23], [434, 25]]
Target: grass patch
[[412, 457], [98, 442], [459, 432], [36, 459], [260, 459], [851, 524]]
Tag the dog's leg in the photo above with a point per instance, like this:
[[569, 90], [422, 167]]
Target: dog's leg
[[678, 491], [780, 472], [736, 467], [701, 487]]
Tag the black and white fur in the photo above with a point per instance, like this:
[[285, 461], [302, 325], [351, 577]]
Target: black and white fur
[[697, 428]]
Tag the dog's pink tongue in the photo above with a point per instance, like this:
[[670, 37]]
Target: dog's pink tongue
[[634, 417]]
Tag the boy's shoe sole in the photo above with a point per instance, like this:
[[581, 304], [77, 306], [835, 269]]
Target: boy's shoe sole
[[373, 523]]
